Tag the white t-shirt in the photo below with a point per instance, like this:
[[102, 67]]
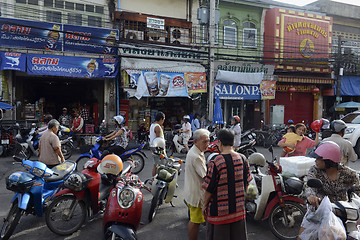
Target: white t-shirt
[[186, 126], [153, 134]]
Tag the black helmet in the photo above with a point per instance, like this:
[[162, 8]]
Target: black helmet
[[337, 126], [47, 118]]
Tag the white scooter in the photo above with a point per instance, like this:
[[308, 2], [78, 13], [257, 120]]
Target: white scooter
[[174, 143]]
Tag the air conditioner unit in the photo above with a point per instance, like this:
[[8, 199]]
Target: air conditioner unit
[[180, 36], [156, 35], [133, 34]]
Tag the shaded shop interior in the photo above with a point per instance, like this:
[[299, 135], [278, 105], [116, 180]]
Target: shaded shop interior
[[49, 94]]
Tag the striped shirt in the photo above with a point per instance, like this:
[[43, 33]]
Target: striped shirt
[[224, 180]]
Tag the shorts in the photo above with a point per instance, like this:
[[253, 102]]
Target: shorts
[[185, 139], [196, 215]]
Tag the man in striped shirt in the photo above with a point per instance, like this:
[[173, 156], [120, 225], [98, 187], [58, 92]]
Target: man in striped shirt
[[224, 199]]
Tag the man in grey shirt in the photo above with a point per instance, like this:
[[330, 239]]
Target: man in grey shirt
[[347, 151]]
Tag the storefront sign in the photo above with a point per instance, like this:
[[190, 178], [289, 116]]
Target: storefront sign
[[88, 39], [298, 88], [237, 91], [161, 84], [155, 23], [196, 82], [38, 64], [127, 50], [13, 61], [30, 34], [268, 89], [245, 67]]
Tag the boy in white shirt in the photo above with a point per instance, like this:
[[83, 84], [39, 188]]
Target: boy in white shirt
[[186, 132]]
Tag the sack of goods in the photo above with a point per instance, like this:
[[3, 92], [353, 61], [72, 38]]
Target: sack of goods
[[297, 166]]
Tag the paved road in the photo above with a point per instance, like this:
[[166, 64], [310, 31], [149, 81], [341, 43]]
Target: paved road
[[169, 223]]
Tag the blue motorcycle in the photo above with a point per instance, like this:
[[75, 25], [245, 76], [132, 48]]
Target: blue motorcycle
[[32, 189], [133, 153]]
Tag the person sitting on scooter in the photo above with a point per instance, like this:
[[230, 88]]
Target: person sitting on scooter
[[336, 178], [186, 132], [235, 121], [119, 135]]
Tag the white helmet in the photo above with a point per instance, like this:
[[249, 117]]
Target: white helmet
[[257, 159], [110, 164], [187, 117], [159, 145], [119, 119]]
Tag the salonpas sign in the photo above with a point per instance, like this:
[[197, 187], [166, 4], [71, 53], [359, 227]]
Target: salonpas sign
[[237, 91], [245, 67]]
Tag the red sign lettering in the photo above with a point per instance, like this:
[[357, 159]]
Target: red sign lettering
[[15, 29]]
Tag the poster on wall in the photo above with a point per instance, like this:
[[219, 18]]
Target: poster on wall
[[30, 34], [39, 64], [268, 89], [161, 84], [90, 39], [196, 82], [13, 61]]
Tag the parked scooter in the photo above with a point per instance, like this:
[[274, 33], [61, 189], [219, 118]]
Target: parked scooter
[[175, 143], [32, 190], [124, 208], [133, 153], [84, 196], [66, 140], [164, 183]]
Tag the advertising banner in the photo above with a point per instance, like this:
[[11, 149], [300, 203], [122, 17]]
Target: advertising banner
[[196, 82], [13, 61], [268, 89], [237, 91], [161, 84], [67, 66], [90, 39], [30, 34]]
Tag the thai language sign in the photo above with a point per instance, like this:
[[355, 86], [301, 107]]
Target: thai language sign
[[13, 61], [244, 67], [237, 91], [39, 64]]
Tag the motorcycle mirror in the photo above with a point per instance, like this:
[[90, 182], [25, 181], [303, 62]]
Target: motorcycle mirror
[[315, 183]]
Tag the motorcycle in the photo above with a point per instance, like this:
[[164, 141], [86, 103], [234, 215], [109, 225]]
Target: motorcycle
[[67, 143], [84, 197], [346, 211], [174, 142], [33, 190], [143, 135], [278, 200], [133, 153], [124, 207], [164, 183]]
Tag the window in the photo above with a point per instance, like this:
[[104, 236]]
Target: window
[[74, 19], [80, 7], [99, 9], [48, 3], [249, 25], [204, 34], [69, 5], [94, 21], [33, 2], [21, 1], [90, 8], [59, 4], [249, 37], [230, 36], [53, 16]]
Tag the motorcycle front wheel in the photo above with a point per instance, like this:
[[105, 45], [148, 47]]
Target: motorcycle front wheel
[[285, 222], [156, 201], [249, 151], [138, 161], [11, 221], [62, 219], [66, 150]]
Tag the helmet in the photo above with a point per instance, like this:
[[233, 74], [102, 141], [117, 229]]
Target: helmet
[[186, 117], [290, 122], [119, 119], [159, 145], [325, 124], [257, 159], [337, 126], [110, 164], [76, 182], [327, 150], [316, 125], [236, 118], [47, 118], [293, 185]]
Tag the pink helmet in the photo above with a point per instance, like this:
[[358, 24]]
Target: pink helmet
[[327, 150]]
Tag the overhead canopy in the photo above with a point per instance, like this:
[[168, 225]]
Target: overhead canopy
[[240, 77], [5, 106], [347, 105], [160, 66]]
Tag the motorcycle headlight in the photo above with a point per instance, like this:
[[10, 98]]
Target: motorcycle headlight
[[38, 172], [126, 198], [349, 130]]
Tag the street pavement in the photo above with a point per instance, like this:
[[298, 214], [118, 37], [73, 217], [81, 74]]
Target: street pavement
[[169, 223]]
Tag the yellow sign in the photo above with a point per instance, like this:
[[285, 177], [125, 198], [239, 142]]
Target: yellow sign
[[307, 48]]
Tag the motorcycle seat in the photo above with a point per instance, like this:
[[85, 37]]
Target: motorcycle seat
[[132, 146], [61, 171]]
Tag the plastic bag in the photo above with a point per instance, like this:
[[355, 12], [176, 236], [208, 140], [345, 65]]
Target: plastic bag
[[322, 224], [252, 192]]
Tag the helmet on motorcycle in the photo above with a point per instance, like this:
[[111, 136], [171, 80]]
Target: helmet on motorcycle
[[76, 182], [159, 145], [257, 159], [327, 150], [325, 124], [110, 164], [337, 126], [119, 119], [237, 119], [186, 117]]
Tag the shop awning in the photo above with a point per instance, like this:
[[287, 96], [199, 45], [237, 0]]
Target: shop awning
[[306, 80], [239, 77], [350, 86], [160, 66]]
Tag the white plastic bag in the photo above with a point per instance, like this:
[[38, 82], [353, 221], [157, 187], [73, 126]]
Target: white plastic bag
[[332, 228]]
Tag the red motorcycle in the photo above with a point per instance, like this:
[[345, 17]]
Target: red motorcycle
[[124, 207], [85, 194]]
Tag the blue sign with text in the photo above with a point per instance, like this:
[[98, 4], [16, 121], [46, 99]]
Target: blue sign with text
[[237, 91], [13, 61]]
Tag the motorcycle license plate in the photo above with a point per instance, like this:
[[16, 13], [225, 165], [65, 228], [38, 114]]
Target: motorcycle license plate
[[5, 141]]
